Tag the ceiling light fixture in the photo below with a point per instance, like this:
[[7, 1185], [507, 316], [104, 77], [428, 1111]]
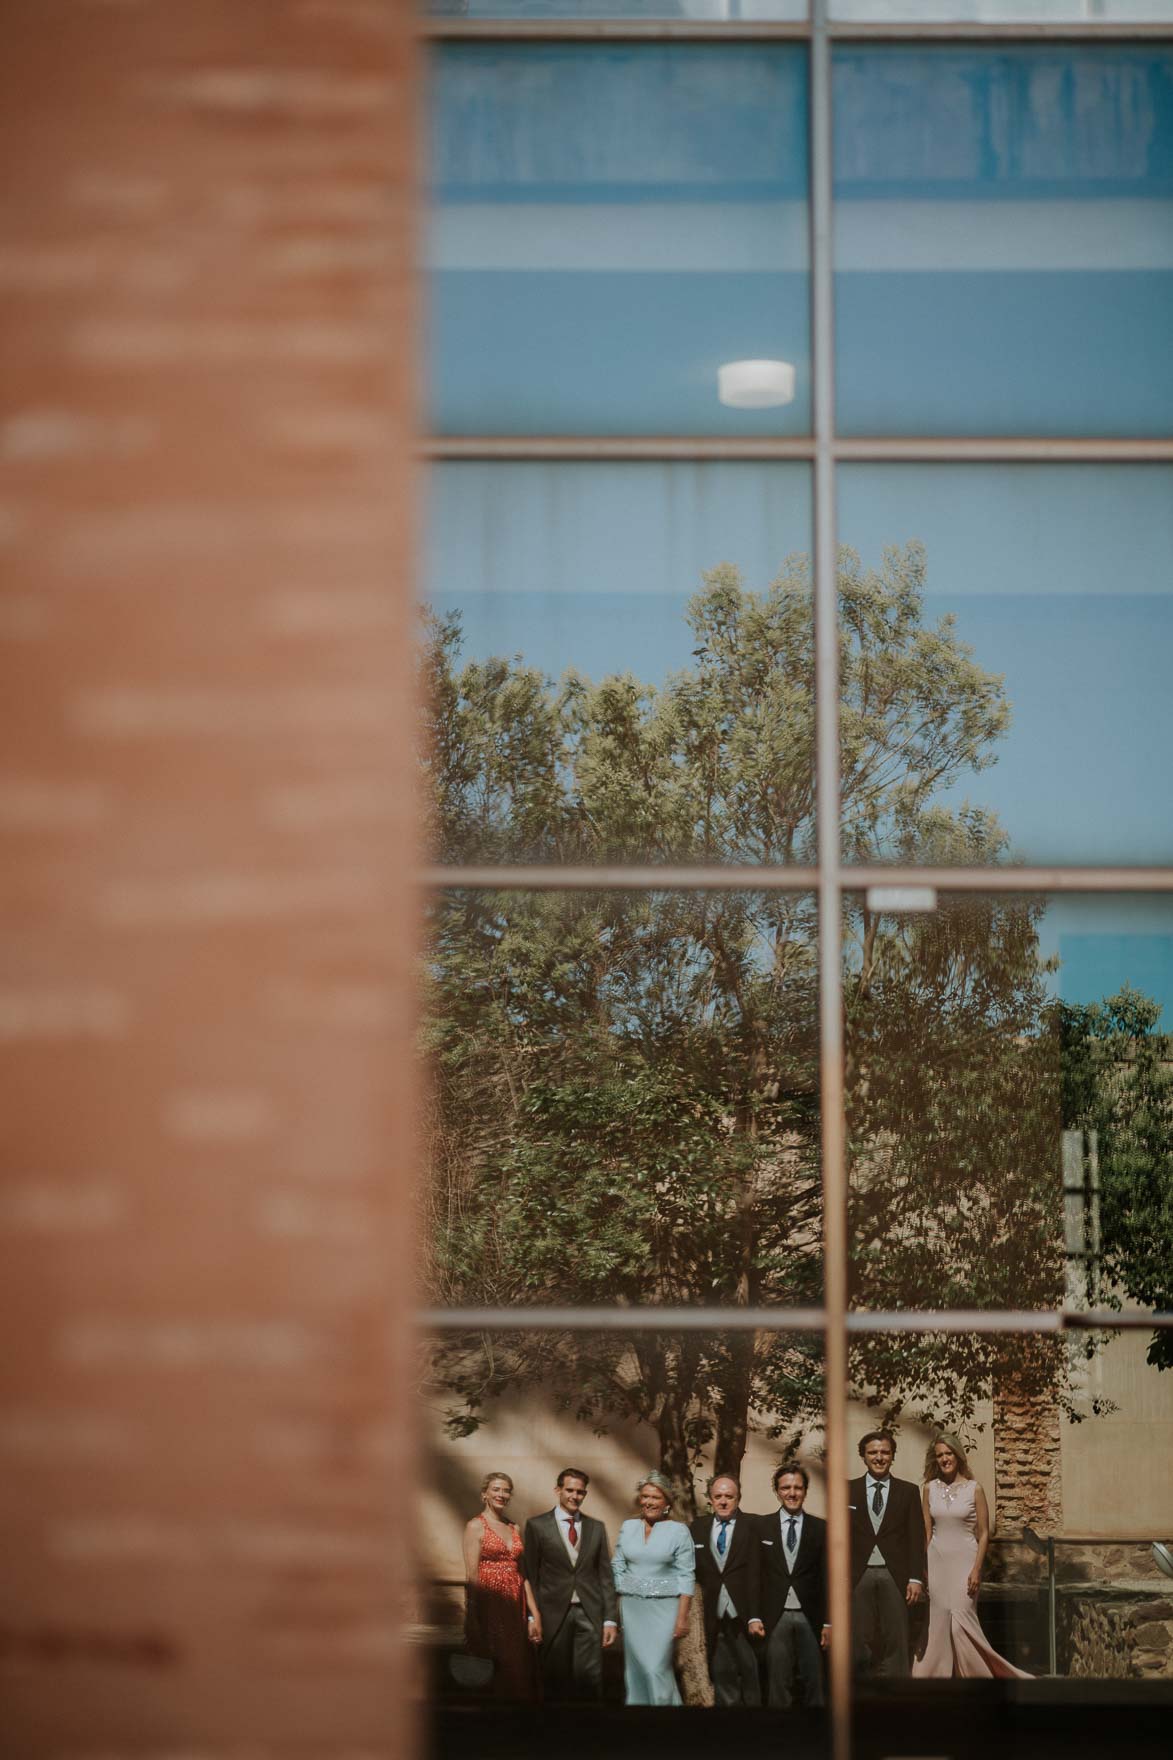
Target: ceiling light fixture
[[755, 384]]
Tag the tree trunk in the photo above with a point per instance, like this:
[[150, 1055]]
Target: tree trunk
[[733, 1412], [692, 1659], [673, 1446], [692, 1663]]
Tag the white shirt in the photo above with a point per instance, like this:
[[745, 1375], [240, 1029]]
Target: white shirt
[[870, 1484], [562, 1517], [792, 1604], [870, 1487], [725, 1607]]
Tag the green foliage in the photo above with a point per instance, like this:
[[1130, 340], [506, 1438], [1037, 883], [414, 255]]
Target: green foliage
[[1118, 1083], [953, 1139], [625, 1087]]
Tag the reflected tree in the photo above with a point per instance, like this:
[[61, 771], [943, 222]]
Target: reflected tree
[[1118, 1084], [624, 1096]]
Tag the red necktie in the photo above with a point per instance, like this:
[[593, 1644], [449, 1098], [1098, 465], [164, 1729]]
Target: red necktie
[[573, 1532]]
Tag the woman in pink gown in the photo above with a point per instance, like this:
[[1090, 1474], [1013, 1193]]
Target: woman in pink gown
[[957, 1527]]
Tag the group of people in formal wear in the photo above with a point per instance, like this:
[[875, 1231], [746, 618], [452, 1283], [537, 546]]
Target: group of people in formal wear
[[545, 1606]]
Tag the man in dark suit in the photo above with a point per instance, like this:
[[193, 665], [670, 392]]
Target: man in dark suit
[[887, 1557], [794, 1591], [568, 1562], [728, 1565]]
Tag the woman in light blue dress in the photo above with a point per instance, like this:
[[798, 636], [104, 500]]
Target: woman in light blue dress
[[654, 1567]]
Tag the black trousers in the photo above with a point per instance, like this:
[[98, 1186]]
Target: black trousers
[[572, 1659], [733, 1666], [879, 1615], [793, 1649]]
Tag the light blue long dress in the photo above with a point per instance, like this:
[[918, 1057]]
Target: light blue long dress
[[650, 1576]]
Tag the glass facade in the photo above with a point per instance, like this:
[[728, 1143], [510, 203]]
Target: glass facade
[[884, 620], [1005, 1052], [1004, 239], [1046, 592], [625, 1094], [651, 613], [611, 225]]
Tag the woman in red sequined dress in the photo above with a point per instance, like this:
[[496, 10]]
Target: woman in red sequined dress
[[499, 1595]]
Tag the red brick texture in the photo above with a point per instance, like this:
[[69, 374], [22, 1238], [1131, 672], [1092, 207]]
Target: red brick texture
[[206, 525]]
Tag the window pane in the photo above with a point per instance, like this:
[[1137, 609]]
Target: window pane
[[600, 1411], [611, 225], [624, 1100], [1004, 240], [1035, 725], [1004, 1403], [1010, 1103], [631, 675]]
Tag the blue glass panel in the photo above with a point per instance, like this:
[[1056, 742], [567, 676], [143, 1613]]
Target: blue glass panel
[[590, 568], [612, 224], [1004, 240], [1060, 579], [1103, 943]]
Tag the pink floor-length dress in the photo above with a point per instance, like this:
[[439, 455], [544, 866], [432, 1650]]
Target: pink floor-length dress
[[957, 1645]]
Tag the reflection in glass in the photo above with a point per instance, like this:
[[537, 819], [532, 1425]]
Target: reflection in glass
[[1004, 239], [625, 1105], [1048, 743], [1068, 1584], [1010, 1138], [612, 224], [545, 1431], [622, 665], [954, 1114], [1010, 1132]]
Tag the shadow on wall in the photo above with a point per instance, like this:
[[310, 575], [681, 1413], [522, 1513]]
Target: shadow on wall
[[523, 1438]]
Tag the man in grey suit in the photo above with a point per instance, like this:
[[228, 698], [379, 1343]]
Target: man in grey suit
[[568, 1562], [794, 1591]]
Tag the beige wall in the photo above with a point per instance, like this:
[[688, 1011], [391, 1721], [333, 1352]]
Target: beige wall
[[1118, 1470], [1116, 1474], [205, 833], [525, 1440]]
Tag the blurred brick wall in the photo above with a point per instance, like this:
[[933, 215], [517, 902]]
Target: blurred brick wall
[[205, 522]]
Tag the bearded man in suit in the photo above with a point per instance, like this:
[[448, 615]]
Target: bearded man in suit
[[888, 1557], [794, 1591], [728, 1570], [568, 1562]]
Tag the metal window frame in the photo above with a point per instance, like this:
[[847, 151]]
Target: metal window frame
[[862, 1321], [517, 877], [867, 449], [590, 30], [831, 879]]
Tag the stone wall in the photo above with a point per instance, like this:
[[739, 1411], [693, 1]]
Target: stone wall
[[1028, 1468], [1115, 1634], [1108, 1562]]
